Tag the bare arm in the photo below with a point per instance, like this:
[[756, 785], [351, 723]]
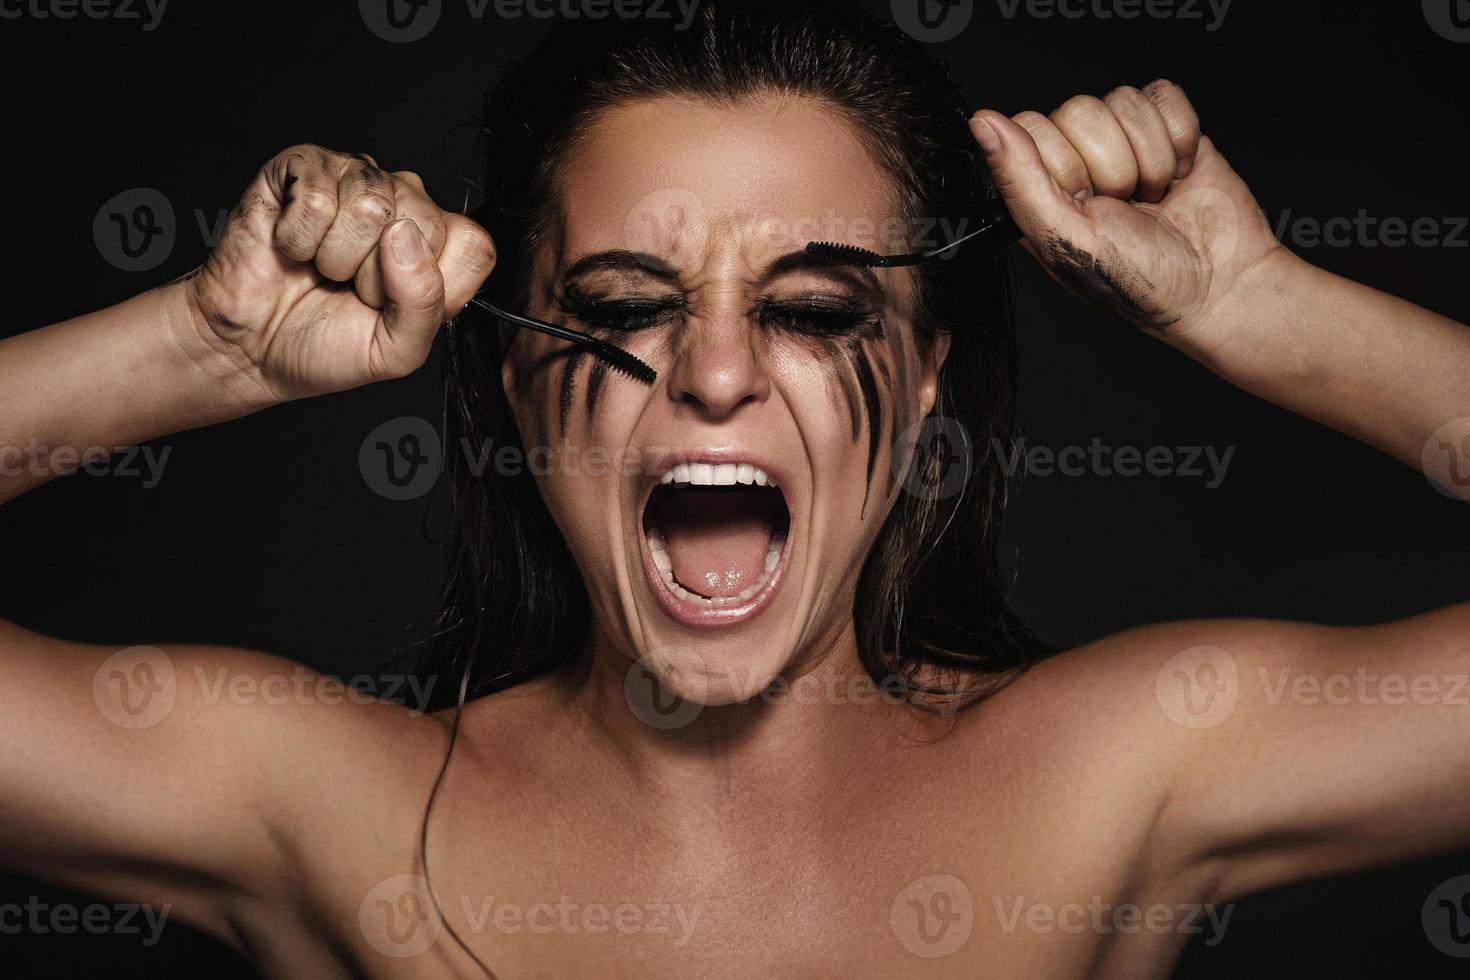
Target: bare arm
[[76, 391], [1290, 750], [138, 770]]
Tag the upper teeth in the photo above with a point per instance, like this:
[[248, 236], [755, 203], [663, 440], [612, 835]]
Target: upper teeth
[[718, 475]]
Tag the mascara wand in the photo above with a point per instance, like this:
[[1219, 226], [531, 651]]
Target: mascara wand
[[610, 354], [996, 231]]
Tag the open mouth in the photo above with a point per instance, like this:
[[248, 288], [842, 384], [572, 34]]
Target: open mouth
[[715, 537]]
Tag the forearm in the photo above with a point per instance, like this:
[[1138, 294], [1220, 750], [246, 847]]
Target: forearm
[[1372, 365], [75, 391]]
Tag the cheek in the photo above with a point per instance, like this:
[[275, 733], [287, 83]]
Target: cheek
[[853, 397]]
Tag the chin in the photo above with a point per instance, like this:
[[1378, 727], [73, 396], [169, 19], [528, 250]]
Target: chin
[[716, 671]]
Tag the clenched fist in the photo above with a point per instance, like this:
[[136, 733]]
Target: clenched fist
[[1125, 202], [331, 273]]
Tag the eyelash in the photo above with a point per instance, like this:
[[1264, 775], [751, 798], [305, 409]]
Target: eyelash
[[813, 317]]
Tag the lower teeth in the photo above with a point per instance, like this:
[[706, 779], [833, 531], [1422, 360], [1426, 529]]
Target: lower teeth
[[657, 549]]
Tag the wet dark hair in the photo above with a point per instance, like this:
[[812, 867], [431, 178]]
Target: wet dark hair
[[931, 603]]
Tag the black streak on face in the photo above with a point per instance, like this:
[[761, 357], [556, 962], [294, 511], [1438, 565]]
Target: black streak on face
[[1111, 284], [903, 397], [857, 359], [848, 382], [595, 377], [568, 384], [884, 372]]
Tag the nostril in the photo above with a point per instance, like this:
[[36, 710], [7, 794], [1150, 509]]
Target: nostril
[[718, 384]]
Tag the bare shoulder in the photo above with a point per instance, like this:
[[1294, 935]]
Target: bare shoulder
[[1108, 731], [1258, 752]]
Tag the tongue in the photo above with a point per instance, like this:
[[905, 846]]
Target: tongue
[[716, 540]]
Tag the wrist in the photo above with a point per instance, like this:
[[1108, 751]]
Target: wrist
[[224, 381], [1247, 328]]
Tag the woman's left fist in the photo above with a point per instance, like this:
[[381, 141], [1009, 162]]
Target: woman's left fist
[[1125, 202]]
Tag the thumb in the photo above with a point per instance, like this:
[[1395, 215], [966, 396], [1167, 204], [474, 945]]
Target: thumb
[[1040, 207], [413, 290]]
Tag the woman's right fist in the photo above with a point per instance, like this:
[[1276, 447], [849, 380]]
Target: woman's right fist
[[331, 273]]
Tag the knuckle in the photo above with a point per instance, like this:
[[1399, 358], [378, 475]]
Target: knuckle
[[372, 209], [1170, 99], [1114, 178], [1030, 120], [1162, 88], [315, 205], [473, 239], [306, 151], [1079, 109], [433, 229], [1125, 99], [410, 178], [1072, 174]]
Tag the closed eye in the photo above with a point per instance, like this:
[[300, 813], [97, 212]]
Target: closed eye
[[632, 313], [819, 316]]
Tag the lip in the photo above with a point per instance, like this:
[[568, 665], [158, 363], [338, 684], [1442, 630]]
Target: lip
[[699, 616]]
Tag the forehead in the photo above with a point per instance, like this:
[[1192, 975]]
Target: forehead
[[766, 175]]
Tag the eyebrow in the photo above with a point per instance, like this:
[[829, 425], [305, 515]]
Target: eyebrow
[[623, 260]]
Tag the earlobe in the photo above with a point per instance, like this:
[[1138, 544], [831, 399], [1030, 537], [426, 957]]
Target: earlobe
[[932, 362], [510, 365]]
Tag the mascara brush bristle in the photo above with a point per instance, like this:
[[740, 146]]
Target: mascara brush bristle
[[620, 360], [845, 254]]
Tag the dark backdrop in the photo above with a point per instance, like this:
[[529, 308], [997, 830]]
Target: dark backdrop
[[263, 533]]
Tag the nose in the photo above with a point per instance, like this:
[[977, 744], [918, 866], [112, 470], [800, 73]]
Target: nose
[[718, 368]]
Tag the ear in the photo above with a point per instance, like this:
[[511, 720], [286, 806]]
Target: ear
[[929, 369], [510, 372]]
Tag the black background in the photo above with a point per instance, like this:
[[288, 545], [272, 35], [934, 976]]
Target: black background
[[263, 533]]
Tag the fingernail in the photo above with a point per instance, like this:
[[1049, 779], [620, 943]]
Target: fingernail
[[1185, 166], [407, 243], [985, 134], [1083, 194]]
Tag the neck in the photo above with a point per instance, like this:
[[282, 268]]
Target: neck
[[798, 738]]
